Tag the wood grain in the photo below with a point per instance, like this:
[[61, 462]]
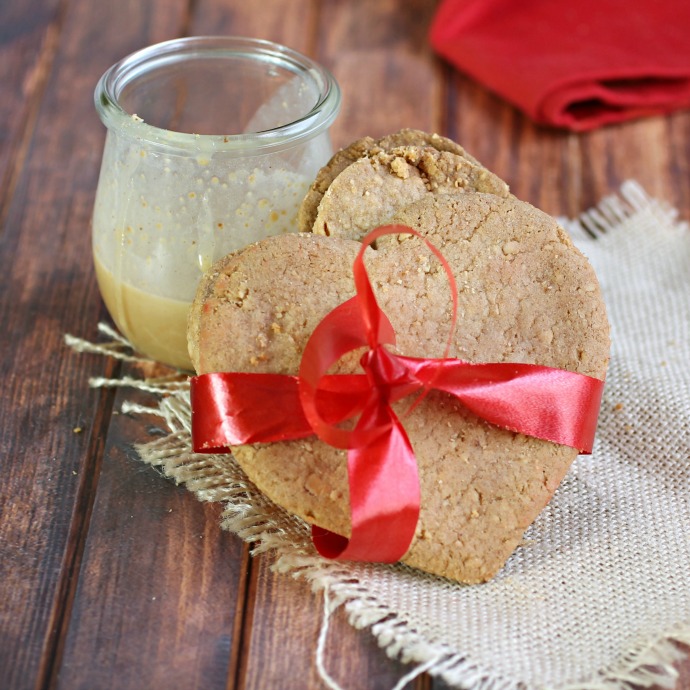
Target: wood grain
[[47, 287], [28, 40], [161, 586], [386, 41], [351, 658], [291, 23], [43, 397]]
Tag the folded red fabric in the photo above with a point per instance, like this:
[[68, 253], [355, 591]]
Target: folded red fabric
[[578, 64]]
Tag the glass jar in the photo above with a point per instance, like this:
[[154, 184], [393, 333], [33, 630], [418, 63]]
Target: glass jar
[[212, 143]]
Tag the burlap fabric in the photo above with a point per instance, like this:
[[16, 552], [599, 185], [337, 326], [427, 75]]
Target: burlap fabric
[[598, 595]]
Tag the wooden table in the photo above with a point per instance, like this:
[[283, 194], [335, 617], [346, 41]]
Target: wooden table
[[111, 576]]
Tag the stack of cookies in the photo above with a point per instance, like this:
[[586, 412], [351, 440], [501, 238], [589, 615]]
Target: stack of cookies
[[525, 294]]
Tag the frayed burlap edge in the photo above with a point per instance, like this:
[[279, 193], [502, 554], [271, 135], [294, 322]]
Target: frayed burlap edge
[[269, 529]]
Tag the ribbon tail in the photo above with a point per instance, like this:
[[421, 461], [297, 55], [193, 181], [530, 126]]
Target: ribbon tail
[[550, 404], [231, 409], [547, 403], [384, 495]]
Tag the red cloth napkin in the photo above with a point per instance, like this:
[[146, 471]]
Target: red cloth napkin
[[577, 64]]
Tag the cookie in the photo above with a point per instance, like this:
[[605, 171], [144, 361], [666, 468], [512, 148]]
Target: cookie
[[417, 137], [525, 294], [359, 149], [369, 192], [306, 215]]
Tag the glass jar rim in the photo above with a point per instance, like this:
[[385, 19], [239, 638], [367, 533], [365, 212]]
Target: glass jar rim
[[122, 73]]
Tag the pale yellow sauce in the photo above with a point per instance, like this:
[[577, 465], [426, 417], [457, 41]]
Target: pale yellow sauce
[[155, 325]]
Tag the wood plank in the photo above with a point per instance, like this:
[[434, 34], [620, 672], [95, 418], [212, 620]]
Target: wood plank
[[282, 653], [291, 23], [385, 40], [189, 636], [161, 586], [47, 288], [679, 163], [28, 40], [49, 467], [182, 637], [652, 151], [379, 54]]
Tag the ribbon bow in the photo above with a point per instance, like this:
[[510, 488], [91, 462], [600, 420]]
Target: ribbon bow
[[230, 408]]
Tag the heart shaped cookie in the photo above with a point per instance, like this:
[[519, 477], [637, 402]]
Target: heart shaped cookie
[[525, 293]]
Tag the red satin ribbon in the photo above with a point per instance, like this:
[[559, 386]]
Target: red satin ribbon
[[238, 408]]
